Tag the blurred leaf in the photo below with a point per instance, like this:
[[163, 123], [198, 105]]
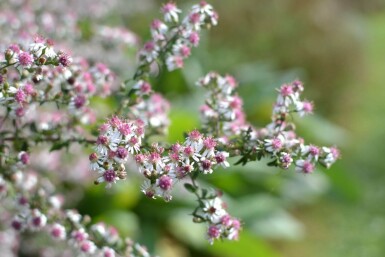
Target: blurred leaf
[[126, 222], [248, 245], [189, 187], [58, 146], [181, 121], [182, 227], [277, 225], [255, 206], [322, 130], [300, 189], [344, 183]]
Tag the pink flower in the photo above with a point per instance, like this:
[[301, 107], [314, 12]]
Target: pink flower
[[170, 12], [25, 59], [58, 232]]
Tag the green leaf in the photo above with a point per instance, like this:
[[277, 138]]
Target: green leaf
[[58, 146], [190, 187]]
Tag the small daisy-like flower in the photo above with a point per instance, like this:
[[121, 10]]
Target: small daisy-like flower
[[18, 223], [78, 236], [65, 60], [195, 139], [181, 49], [108, 176], [149, 189], [205, 166], [58, 232], [165, 183], [158, 29], [149, 51], [174, 62], [108, 252], [220, 158], [87, 246], [20, 96], [23, 157], [194, 21], [209, 147], [285, 160], [304, 166], [25, 59], [275, 144], [213, 232], [331, 154], [37, 220], [170, 12], [213, 209], [304, 108], [143, 87]]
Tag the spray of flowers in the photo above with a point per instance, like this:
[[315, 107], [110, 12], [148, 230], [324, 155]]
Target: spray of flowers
[[45, 97]]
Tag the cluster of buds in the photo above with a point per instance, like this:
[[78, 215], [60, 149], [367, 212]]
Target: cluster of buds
[[116, 141], [222, 114], [163, 168], [289, 101], [173, 39], [152, 108]]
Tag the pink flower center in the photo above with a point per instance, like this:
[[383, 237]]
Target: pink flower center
[[25, 59], [213, 232], [80, 101], [206, 164], [209, 143], [165, 182], [109, 176], [121, 153], [307, 167], [313, 150], [276, 144], [20, 96], [286, 90], [220, 158]]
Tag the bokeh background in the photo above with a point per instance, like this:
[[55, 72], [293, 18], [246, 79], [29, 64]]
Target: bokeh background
[[337, 48]]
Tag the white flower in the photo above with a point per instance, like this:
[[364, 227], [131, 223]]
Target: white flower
[[170, 11], [37, 220], [39, 48], [213, 209], [275, 144], [220, 158]]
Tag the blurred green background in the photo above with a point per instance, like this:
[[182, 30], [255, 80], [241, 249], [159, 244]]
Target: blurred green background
[[338, 49]]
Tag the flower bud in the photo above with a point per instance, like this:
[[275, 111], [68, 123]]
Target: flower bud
[[42, 60], [8, 54]]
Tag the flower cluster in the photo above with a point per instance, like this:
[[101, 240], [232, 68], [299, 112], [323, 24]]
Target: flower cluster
[[222, 114], [38, 210], [55, 89], [220, 224], [152, 108], [117, 139], [48, 76], [173, 39], [163, 168]]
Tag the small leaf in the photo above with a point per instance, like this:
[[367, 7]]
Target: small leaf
[[58, 146], [190, 187], [272, 163]]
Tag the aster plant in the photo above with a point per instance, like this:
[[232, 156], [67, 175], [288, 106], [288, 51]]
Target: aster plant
[[44, 100]]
